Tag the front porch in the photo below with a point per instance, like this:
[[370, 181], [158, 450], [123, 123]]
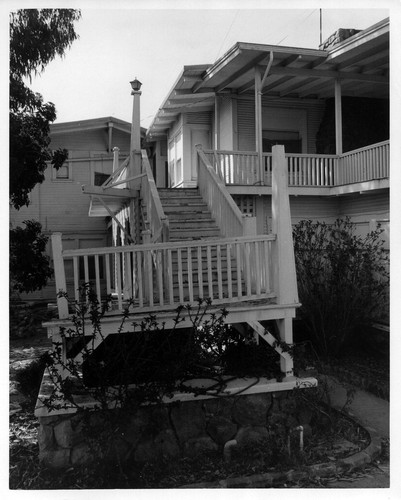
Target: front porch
[[362, 169]]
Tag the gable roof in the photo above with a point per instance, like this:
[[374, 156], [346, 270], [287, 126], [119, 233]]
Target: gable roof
[[93, 124], [361, 62]]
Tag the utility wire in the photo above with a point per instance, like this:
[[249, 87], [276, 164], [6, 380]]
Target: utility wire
[[298, 26], [228, 32]]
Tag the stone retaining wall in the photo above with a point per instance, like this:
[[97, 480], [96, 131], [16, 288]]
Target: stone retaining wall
[[176, 429]]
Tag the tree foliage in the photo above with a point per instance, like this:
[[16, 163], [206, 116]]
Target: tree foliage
[[37, 36], [342, 280], [29, 265]]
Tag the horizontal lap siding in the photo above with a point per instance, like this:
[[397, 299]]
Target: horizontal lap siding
[[246, 120]]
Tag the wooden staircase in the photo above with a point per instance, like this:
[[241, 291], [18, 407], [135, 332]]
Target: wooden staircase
[[191, 220], [188, 215]]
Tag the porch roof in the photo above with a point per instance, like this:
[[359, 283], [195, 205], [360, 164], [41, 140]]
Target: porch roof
[[361, 62]]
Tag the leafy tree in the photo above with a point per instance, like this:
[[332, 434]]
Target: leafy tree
[[29, 265], [37, 36], [342, 280]]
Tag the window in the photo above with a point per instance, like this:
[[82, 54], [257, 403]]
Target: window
[[100, 178], [64, 172]]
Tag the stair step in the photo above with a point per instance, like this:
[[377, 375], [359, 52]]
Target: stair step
[[194, 224]]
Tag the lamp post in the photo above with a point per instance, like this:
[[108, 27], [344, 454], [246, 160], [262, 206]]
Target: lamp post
[[135, 146]]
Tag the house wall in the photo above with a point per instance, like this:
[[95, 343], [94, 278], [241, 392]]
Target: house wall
[[59, 204], [303, 116]]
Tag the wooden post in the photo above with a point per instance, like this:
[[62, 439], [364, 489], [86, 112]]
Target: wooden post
[[286, 362], [116, 152], [59, 274], [285, 282], [258, 122], [338, 117]]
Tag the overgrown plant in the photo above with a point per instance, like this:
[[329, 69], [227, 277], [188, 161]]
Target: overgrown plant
[[141, 363], [342, 280]]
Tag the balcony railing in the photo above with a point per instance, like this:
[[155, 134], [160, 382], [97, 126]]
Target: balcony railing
[[164, 275], [304, 170]]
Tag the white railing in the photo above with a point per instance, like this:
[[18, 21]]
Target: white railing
[[155, 216], [304, 170], [364, 164], [224, 210], [164, 275]]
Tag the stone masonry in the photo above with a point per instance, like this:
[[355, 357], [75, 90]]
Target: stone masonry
[[174, 430]]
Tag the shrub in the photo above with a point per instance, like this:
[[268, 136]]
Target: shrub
[[29, 265], [342, 280]]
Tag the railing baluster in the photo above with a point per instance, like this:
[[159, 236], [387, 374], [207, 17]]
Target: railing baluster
[[180, 280], [200, 272], [239, 274], [108, 278], [170, 275], [209, 271], [190, 278], [97, 279], [219, 276], [140, 264], [229, 272], [76, 278], [119, 287]]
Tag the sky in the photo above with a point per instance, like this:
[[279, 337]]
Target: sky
[[147, 41]]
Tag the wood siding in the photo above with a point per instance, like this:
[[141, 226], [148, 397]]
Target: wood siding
[[246, 119]]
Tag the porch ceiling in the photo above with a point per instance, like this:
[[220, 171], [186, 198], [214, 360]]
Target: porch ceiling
[[360, 62]]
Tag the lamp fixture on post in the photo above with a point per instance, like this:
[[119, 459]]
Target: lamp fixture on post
[[136, 85]]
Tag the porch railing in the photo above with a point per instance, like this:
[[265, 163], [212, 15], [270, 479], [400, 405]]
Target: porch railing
[[364, 164], [304, 170], [222, 206], [155, 216], [164, 275]]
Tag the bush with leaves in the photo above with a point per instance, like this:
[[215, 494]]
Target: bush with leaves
[[342, 280], [29, 265]]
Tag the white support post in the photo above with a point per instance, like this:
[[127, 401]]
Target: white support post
[[258, 122], [285, 333], [285, 281], [338, 117], [59, 274], [116, 152]]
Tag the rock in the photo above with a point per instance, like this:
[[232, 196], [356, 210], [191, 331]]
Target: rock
[[66, 435], [251, 410], [221, 407], [81, 454], [166, 444], [251, 435], [46, 438], [55, 459], [196, 446], [221, 429], [188, 420]]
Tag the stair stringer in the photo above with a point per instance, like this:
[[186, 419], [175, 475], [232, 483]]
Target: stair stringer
[[286, 361]]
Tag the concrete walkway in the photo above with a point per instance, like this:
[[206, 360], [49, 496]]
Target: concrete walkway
[[372, 412]]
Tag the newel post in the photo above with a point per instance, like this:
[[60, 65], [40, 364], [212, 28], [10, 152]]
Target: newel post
[[59, 274], [285, 279]]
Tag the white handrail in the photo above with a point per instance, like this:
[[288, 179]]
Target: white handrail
[[159, 225], [304, 170], [165, 275], [223, 208]]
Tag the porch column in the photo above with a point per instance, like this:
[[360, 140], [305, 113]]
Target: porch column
[[135, 146], [258, 122], [217, 122], [338, 117]]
